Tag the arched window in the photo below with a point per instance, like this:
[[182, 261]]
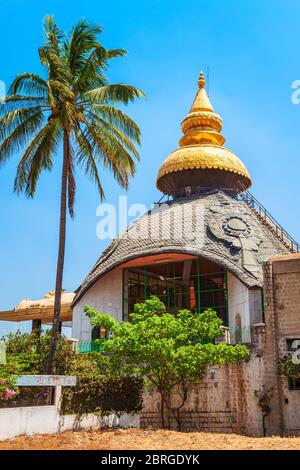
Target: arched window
[[193, 284]]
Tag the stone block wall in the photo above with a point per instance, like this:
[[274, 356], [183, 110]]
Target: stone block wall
[[282, 313], [224, 402]]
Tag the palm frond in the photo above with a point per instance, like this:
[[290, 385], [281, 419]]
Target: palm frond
[[51, 53], [17, 102], [59, 90], [112, 53], [82, 40], [119, 135], [115, 93], [53, 34], [118, 119], [109, 151], [85, 158], [37, 157], [19, 136], [55, 64], [14, 118], [90, 75], [29, 83]]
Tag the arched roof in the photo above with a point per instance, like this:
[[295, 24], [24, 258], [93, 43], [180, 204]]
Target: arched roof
[[215, 226]]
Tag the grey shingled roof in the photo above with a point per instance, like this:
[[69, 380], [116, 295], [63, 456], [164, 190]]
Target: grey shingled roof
[[215, 247]]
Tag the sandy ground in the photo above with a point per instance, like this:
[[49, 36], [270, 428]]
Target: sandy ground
[[133, 439]]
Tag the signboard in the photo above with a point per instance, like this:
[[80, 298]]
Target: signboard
[[46, 380]]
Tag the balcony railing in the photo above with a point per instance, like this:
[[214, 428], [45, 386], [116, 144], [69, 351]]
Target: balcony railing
[[83, 347], [265, 217], [257, 208]]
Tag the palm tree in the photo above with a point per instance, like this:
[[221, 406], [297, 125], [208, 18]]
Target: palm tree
[[73, 108]]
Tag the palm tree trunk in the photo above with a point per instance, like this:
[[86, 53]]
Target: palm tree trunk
[[61, 255]]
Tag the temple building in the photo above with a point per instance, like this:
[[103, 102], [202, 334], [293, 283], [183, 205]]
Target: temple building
[[202, 246], [208, 243]]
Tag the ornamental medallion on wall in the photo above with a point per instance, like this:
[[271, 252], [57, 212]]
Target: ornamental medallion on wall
[[236, 229]]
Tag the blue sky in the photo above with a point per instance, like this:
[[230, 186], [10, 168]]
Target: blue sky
[[252, 50]]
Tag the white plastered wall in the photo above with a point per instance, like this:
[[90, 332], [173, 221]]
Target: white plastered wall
[[106, 296], [238, 303]]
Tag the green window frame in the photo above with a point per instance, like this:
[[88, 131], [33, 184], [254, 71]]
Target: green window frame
[[202, 282]]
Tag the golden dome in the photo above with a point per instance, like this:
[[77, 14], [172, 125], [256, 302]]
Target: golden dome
[[203, 156], [201, 162]]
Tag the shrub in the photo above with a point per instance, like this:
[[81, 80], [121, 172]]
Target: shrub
[[98, 389], [290, 370], [8, 388]]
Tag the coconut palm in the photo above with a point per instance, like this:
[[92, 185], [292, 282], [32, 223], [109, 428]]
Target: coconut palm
[[73, 111]]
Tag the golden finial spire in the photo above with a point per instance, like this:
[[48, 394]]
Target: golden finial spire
[[201, 80], [202, 124], [202, 161], [201, 101]]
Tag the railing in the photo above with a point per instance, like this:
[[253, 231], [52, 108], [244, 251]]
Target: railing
[[233, 335], [265, 216], [83, 347], [260, 211]]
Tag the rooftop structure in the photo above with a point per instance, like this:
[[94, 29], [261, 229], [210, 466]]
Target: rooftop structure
[[42, 309], [202, 162]]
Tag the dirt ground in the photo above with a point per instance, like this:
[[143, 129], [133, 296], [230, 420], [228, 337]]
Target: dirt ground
[[134, 439]]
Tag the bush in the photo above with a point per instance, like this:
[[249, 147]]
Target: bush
[[290, 370], [98, 389], [28, 353], [8, 388]]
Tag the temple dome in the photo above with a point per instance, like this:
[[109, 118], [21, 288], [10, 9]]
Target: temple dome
[[202, 162], [213, 226]]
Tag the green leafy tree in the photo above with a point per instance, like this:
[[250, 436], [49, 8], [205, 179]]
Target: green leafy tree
[[26, 353], [170, 352], [74, 107]]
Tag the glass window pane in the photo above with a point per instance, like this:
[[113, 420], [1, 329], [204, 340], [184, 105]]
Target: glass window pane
[[180, 285]]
